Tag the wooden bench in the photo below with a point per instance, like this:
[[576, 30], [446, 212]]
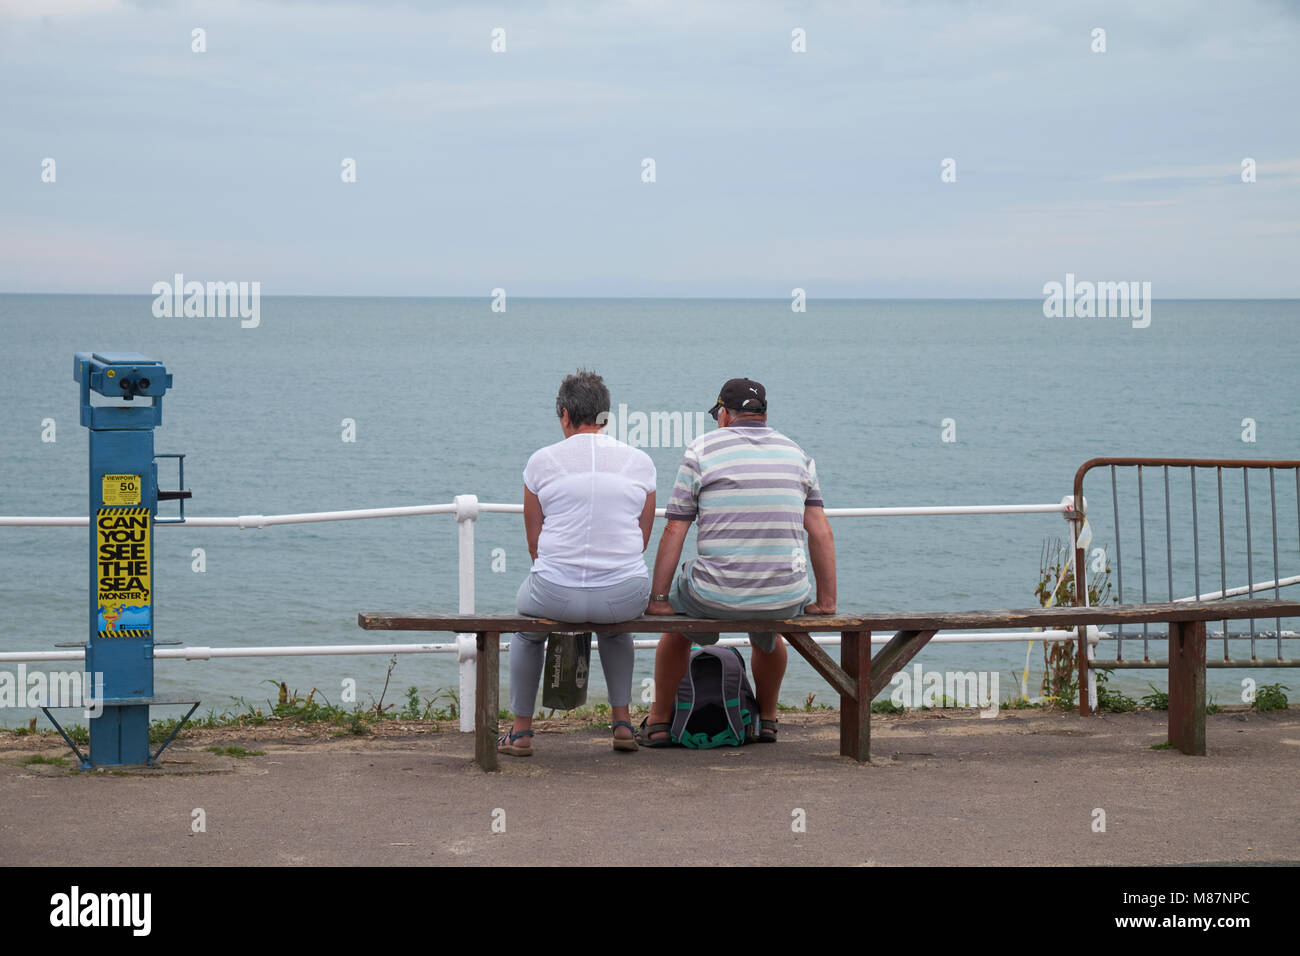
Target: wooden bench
[[858, 678]]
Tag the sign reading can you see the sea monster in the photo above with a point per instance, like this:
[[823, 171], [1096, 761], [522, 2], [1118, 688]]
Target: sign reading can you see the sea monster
[[122, 576]]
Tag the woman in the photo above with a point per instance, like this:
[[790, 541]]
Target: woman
[[589, 505]]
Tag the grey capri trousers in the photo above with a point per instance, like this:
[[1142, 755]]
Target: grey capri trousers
[[603, 605]]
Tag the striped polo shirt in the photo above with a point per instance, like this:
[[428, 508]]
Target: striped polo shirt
[[748, 485]]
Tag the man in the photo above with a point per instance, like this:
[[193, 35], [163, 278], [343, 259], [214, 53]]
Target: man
[[756, 496]]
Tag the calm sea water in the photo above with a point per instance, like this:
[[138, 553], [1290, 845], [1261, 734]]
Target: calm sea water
[[450, 398]]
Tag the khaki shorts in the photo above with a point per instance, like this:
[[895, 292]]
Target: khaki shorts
[[684, 601]]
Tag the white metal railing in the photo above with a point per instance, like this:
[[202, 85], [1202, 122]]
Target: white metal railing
[[467, 508], [472, 508], [197, 653], [1245, 589]]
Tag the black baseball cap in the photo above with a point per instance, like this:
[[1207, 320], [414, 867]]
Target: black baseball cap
[[741, 395]]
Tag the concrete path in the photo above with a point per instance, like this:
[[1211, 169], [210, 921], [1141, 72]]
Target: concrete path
[[948, 788]]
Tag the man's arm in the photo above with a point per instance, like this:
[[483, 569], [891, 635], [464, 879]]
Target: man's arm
[[670, 552], [821, 548]]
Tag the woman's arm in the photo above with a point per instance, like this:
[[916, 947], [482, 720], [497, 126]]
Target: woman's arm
[[533, 519], [647, 520]]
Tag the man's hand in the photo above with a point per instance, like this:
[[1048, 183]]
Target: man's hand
[[659, 607], [819, 607]]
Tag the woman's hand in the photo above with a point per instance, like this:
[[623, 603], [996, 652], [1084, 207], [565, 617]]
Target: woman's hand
[[659, 607]]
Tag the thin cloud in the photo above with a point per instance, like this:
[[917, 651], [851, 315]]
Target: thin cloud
[[1289, 170]]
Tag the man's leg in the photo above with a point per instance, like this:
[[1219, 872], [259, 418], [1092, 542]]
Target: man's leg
[[769, 670], [672, 657]]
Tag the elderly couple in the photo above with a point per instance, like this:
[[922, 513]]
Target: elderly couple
[[589, 505]]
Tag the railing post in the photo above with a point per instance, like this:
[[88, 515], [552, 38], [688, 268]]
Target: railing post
[[1076, 515], [1092, 634], [466, 644]]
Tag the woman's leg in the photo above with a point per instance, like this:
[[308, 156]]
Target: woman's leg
[[617, 653], [617, 657], [527, 657]]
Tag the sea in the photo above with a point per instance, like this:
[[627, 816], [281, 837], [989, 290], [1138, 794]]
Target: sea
[[342, 403]]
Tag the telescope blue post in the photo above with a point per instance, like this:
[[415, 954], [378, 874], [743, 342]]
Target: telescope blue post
[[123, 505]]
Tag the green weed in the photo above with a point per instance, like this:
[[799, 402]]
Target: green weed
[[1114, 701], [41, 759], [1056, 588], [1157, 699], [1271, 697], [237, 751]]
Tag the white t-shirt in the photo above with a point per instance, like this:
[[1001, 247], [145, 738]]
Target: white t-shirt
[[592, 488]]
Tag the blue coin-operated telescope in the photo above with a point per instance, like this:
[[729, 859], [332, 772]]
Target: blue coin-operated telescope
[[123, 506]]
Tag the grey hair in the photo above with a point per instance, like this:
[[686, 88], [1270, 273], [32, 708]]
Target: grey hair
[[585, 396]]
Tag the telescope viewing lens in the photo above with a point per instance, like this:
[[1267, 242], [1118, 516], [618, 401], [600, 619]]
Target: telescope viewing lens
[[144, 383]]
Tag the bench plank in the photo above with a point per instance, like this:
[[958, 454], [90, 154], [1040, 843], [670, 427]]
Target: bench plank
[[1047, 617]]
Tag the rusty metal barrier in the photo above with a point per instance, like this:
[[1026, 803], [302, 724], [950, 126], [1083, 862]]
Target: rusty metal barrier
[[1187, 521]]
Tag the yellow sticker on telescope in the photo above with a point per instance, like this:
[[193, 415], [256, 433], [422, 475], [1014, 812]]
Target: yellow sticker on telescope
[[121, 490], [122, 579]]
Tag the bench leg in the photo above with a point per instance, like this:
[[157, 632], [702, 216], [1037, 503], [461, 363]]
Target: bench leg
[[894, 656], [487, 690], [855, 711], [1187, 686]]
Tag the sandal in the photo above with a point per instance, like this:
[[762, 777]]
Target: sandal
[[624, 743], [506, 744], [767, 735], [647, 728]]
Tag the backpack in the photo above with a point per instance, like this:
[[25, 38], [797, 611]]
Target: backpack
[[716, 707]]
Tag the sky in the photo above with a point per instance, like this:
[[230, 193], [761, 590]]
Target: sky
[[773, 169]]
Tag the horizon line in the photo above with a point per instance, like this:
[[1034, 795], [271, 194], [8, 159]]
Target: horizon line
[[677, 298]]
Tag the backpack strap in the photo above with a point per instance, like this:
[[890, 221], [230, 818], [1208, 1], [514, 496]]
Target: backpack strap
[[733, 679], [684, 705]]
